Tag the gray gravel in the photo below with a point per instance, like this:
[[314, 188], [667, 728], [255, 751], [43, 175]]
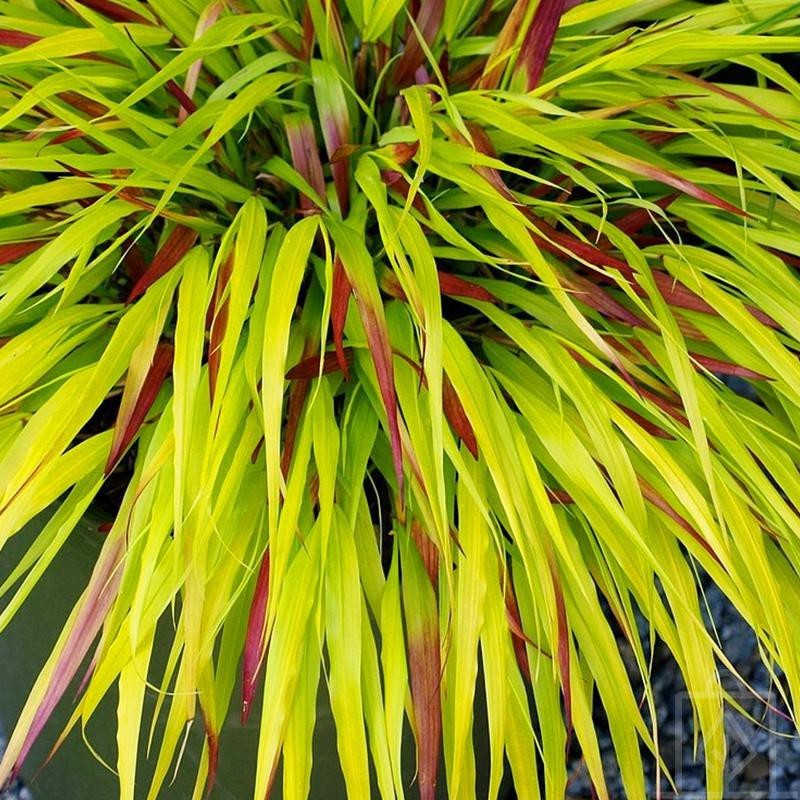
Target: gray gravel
[[763, 755], [18, 791]]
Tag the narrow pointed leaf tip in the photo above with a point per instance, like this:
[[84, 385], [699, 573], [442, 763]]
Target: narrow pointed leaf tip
[[254, 641], [341, 292], [176, 246], [137, 399]]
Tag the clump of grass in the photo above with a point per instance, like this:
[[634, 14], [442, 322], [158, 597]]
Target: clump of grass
[[495, 257]]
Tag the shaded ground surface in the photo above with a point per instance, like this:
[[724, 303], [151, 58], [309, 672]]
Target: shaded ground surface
[[18, 791]]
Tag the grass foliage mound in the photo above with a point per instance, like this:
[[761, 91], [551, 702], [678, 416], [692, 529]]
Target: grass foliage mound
[[404, 331]]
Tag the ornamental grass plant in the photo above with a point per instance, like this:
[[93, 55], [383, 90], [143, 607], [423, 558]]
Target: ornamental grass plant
[[401, 334]]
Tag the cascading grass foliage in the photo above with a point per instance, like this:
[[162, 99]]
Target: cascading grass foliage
[[488, 259]]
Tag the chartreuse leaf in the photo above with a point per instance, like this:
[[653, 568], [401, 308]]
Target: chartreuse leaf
[[298, 754], [190, 405], [475, 543], [62, 45], [379, 17], [68, 409], [395, 669], [360, 273], [343, 623], [326, 457], [288, 641], [496, 665], [373, 708], [236, 297], [284, 286], [132, 683], [94, 225]]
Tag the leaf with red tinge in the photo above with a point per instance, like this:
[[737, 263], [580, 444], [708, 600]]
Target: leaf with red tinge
[[563, 648], [360, 270], [308, 35], [402, 152], [450, 285], [212, 744], [340, 299], [680, 296], [650, 427], [559, 496], [673, 291], [451, 405], [93, 607], [427, 22], [297, 398], [727, 368], [16, 38], [425, 666], [538, 41], [85, 104], [137, 399], [178, 244], [787, 258], [309, 367], [428, 551], [381, 351], [652, 172], [518, 637], [345, 151], [659, 138], [127, 194], [667, 407], [135, 265], [483, 144], [219, 322], [505, 42], [650, 494], [87, 675], [453, 286], [715, 89], [334, 119], [115, 11], [397, 182], [391, 286], [254, 640], [185, 102], [561, 244], [206, 20], [187, 105], [594, 297], [633, 222], [12, 252], [457, 417], [305, 156]]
